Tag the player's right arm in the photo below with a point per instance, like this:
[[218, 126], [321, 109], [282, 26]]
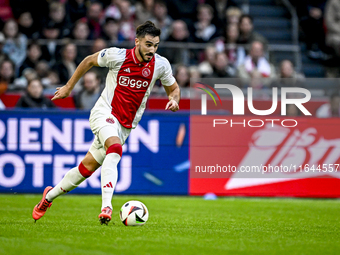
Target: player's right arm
[[83, 67]]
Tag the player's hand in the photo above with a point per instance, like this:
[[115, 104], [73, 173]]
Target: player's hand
[[172, 105], [61, 92]]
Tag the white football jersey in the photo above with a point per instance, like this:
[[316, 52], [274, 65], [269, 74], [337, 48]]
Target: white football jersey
[[129, 83]]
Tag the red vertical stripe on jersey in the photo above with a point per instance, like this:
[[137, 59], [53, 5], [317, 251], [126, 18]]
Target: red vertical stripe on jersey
[[133, 80]]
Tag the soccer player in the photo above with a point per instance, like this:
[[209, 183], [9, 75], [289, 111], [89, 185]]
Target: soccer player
[[132, 74]]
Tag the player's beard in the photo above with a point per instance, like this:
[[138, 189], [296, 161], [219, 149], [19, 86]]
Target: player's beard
[[142, 55]]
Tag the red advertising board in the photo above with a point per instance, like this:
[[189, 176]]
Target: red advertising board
[[263, 156]]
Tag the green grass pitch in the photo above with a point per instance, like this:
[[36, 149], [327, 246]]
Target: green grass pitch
[[177, 225]]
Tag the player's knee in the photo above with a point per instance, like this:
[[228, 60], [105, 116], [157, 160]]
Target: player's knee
[[93, 159], [84, 171], [115, 148], [111, 141]]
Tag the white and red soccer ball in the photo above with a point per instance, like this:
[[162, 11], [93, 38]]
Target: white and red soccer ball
[[134, 213]]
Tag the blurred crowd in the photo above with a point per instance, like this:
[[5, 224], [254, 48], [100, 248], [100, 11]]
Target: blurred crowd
[[72, 29]]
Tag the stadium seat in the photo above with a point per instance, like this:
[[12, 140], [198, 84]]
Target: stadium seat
[[313, 70], [268, 11], [273, 34], [273, 22]]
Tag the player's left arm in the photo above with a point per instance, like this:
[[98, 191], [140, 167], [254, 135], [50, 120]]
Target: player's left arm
[[174, 95]]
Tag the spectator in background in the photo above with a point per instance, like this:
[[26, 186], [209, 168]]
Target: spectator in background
[[204, 29], [57, 15], [127, 21], [81, 32], [33, 56], [206, 67], [112, 11], [233, 15], [21, 82], [94, 19], [43, 69], [50, 50], [311, 17], [256, 63], [67, 65], [220, 7], [287, 76], [221, 67], [331, 109], [27, 26], [15, 44], [195, 75], [53, 78], [332, 20], [182, 76], [97, 46], [185, 10], [179, 33], [161, 19], [87, 97], [38, 8], [256, 80], [34, 98], [228, 44], [247, 33], [76, 9], [3, 55], [6, 75], [111, 31], [287, 70], [144, 10]]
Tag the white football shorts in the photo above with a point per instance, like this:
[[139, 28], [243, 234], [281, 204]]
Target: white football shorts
[[104, 125]]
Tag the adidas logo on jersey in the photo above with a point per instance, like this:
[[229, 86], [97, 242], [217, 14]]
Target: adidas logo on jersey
[[127, 70], [109, 185]]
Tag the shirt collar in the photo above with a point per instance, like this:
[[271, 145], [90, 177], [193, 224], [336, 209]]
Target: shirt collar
[[135, 59]]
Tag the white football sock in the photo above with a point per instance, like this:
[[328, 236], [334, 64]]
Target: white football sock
[[109, 175], [70, 181]]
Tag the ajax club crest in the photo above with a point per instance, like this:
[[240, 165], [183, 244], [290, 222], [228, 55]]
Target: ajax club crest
[[146, 72]]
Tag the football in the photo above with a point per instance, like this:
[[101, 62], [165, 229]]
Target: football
[[134, 213]]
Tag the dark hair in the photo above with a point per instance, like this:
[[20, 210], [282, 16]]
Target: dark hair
[[243, 16], [67, 42], [285, 61], [160, 2], [147, 28], [13, 68], [34, 79], [109, 19], [201, 6], [95, 73], [51, 25], [96, 2], [7, 59], [33, 43]]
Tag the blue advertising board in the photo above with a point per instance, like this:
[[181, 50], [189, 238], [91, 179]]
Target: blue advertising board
[[37, 148]]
